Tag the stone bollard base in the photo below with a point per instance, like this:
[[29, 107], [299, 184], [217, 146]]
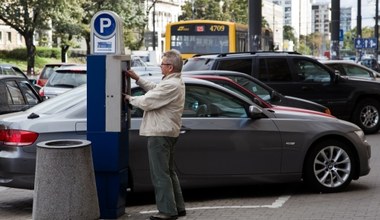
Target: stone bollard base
[[65, 185]]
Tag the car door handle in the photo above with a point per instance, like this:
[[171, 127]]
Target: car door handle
[[306, 88]]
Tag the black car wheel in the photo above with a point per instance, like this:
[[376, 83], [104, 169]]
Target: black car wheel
[[367, 115], [329, 166]]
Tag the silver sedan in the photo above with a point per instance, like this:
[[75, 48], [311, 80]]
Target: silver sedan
[[226, 139]]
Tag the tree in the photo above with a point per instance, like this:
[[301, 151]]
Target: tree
[[202, 9], [66, 25], [26, 16], [289, 33], [228, 10]]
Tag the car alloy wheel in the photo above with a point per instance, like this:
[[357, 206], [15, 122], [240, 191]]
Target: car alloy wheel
[[367, 115], [329, 166]]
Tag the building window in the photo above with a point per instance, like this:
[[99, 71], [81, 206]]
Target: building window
[[19, 36], [9, 36]]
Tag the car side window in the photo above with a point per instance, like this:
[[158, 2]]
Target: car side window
[[352, 70], [207, 102], [240, 65], [30, 96], [15, 96], [308, 71], [252, 86], [274, 69], [136, 112]]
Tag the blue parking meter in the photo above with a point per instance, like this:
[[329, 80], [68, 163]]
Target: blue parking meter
[[106, 113]]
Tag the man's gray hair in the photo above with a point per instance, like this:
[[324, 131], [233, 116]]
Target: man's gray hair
[[174, 58]]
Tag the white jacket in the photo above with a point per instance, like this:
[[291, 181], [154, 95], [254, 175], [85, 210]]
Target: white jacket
[[163, 106]]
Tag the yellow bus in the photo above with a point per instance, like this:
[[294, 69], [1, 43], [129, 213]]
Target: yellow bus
[[208, 36]]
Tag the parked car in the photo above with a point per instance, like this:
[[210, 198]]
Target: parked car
[[225, 138], [292, 74], [9, 69], [64, 79], [351, 69], [48, 70], [257, 87], [17, 94], [370, 63]]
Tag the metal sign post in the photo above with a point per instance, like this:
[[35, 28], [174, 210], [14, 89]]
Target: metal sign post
[[106, 124]]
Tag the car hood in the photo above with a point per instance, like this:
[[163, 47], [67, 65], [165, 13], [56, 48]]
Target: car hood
[[291, 111]]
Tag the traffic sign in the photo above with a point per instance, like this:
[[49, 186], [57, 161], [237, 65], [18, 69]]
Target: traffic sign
[[365, 43], [359, 43], [341, 34]]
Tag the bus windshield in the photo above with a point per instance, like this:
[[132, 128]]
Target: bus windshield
[[205, 44], [200, 38]]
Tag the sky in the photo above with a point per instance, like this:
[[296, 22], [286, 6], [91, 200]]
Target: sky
[[368, 10]]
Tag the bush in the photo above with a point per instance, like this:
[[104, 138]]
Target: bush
[[49, 52], [20, 53]]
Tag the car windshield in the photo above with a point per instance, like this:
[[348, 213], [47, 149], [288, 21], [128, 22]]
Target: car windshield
[[62, 102], [10, 70], [67, 79]]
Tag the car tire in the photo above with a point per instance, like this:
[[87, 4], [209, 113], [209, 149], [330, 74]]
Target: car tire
[[367, 115], [329, 166]]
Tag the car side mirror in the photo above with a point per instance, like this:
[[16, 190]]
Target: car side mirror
[[255, 112], [274, 96], [336, 76]]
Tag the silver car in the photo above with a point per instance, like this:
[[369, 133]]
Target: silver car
[[226, 139], [63, 79]]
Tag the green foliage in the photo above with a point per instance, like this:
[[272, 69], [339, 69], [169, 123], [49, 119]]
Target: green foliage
[[289, 33], [228, 10], [48, 52], [18, 53]]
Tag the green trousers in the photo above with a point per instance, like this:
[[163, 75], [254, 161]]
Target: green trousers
[[168, 193]]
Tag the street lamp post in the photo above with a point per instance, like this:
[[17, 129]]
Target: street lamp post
[[154, 27], [377, 30]]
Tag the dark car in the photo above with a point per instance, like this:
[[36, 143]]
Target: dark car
[[9, 69], [351, 69], [292, 74], [16, 94], [259, 88], [370, 63], [226, 139]]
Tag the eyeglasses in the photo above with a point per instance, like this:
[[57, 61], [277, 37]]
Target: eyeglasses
[[165, 64]]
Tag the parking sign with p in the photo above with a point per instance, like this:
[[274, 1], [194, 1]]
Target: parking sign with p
[[104, 39]]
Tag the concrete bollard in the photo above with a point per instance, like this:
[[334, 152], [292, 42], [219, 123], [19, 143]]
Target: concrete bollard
[[64, 186]]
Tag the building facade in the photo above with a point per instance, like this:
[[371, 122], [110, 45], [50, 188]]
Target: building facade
[[10, 38], [297, 14], [274, 15]]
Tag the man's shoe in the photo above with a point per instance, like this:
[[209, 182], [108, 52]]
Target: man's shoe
[[162, 216], [182, 213]]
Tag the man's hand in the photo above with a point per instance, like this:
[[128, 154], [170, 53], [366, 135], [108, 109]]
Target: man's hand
[[132, 74], [126, 97]]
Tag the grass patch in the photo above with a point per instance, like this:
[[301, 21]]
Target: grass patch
[[39, 62]]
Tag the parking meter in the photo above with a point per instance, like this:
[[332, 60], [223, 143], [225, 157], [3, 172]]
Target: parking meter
[[106, 112]]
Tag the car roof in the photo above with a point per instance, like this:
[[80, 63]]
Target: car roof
[[338, 61], [73, 68], [240, 54], [60, 64], [212, 72]]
